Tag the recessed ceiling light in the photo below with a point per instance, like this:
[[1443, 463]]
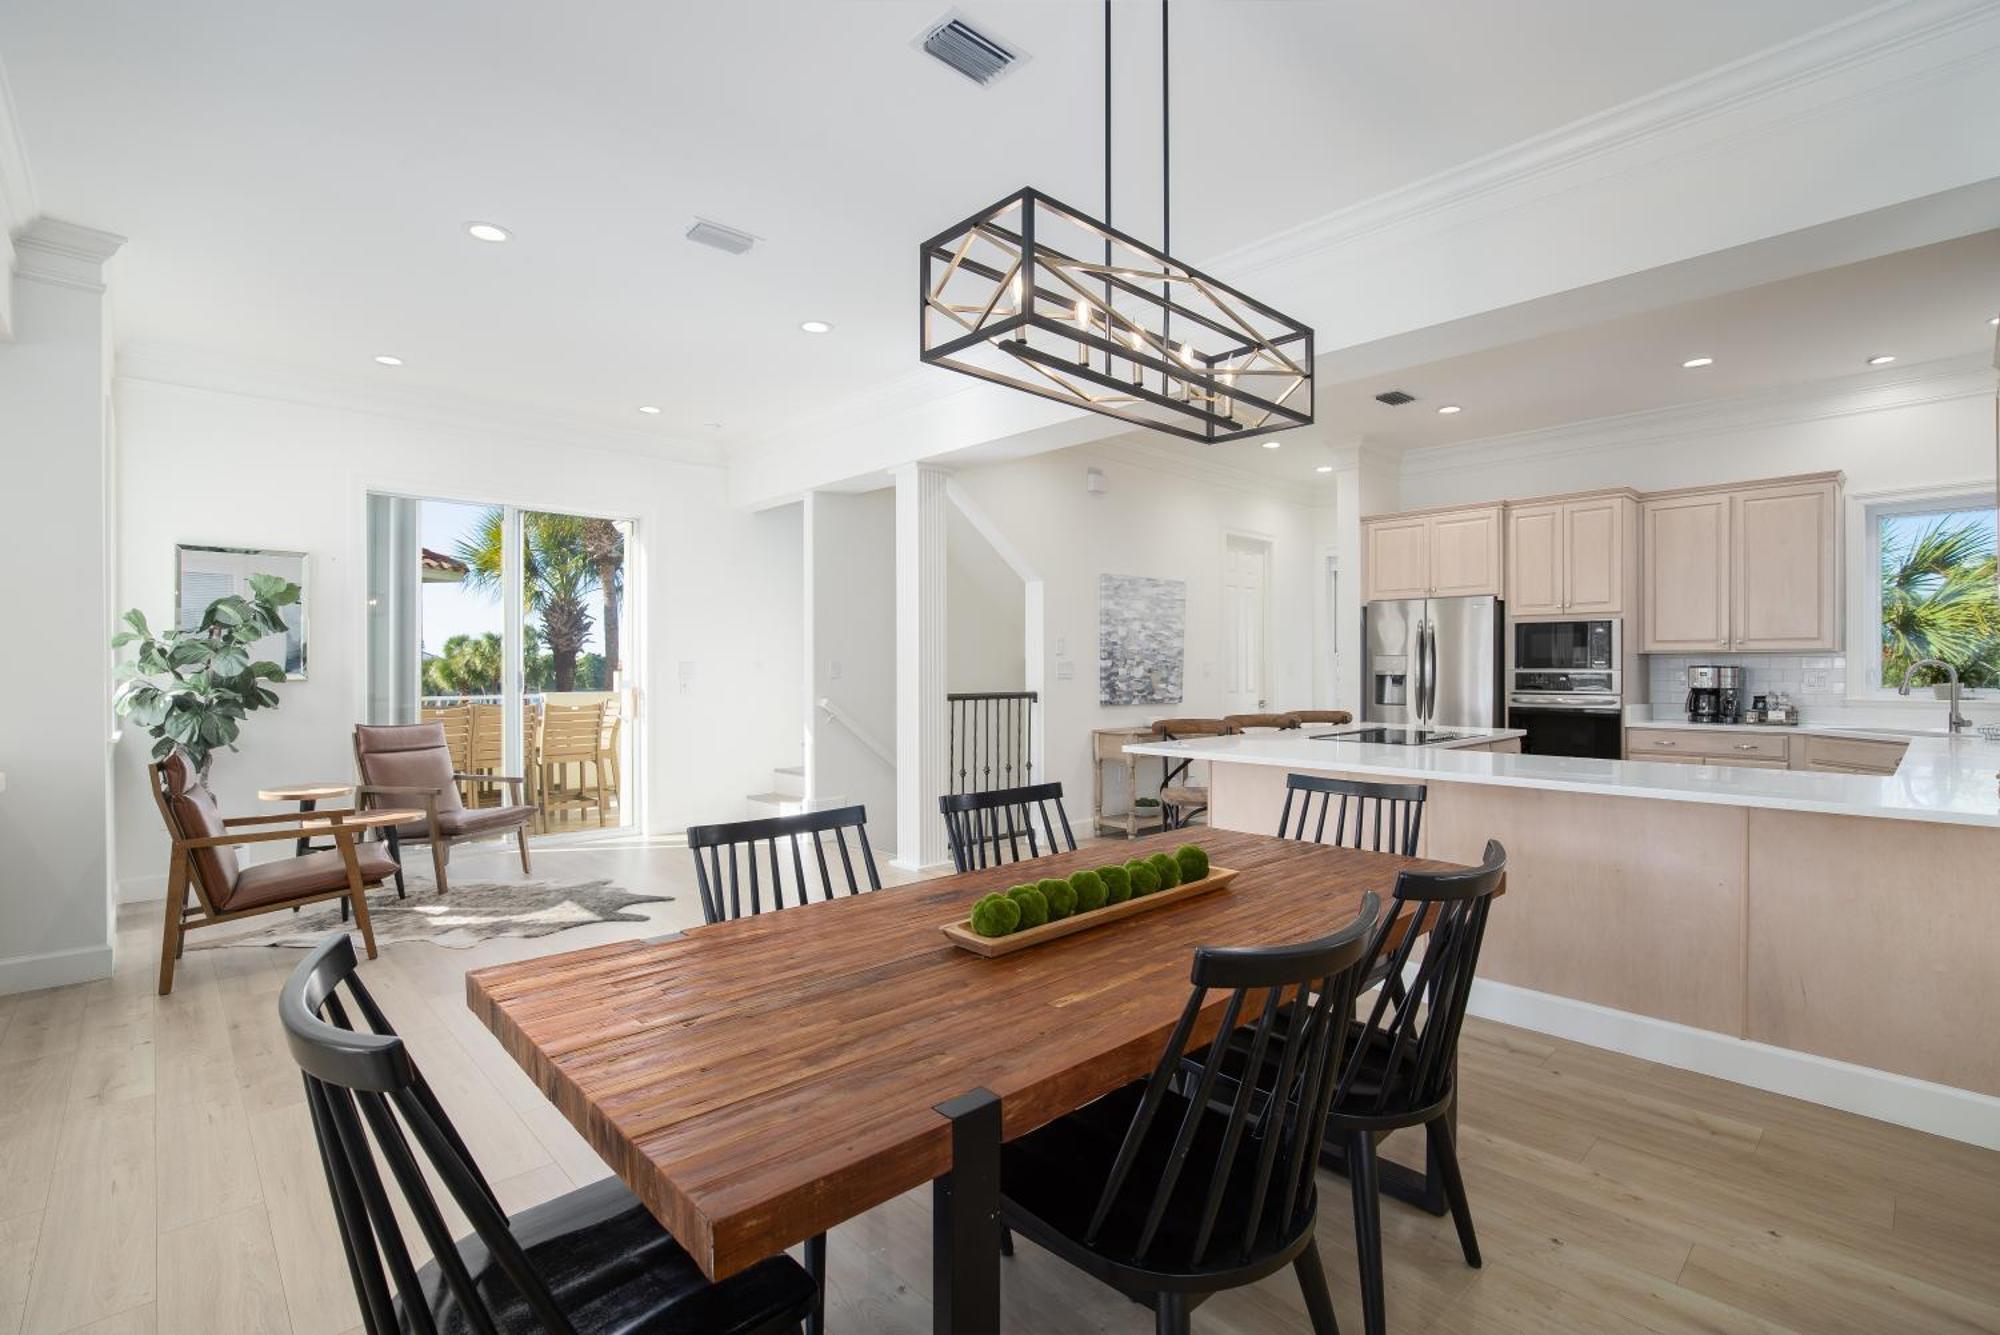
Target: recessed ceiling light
[[1324, 468], [649, 410], [817, 327], [1450, 408], [386, 360], [485, 231], [1883, 360], [1272, 444], [1695, 363]]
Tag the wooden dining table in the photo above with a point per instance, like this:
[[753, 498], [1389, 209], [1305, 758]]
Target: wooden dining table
[[756, 1082]]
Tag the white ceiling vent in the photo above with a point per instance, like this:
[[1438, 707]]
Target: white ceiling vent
[[714, 234], [978, 56]]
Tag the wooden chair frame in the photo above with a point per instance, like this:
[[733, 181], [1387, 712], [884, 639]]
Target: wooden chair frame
[[346, 825], [365, 794]]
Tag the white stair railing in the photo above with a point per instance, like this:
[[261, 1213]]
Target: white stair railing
[[861, 734]]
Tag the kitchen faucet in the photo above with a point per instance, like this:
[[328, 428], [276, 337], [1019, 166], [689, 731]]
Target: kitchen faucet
[[1958, 722]]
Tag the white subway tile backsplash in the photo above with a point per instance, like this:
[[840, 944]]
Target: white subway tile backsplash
[[1815, 680]]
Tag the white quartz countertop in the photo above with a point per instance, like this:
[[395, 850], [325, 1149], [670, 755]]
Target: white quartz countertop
[[1946, 779]]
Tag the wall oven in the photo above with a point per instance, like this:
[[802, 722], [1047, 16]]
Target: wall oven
[[1566, 691]]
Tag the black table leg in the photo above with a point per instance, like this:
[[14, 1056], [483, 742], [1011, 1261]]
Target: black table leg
[[965, 1221], [306, 807]]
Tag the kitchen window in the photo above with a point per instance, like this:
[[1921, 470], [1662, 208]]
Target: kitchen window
[[1932, 579]]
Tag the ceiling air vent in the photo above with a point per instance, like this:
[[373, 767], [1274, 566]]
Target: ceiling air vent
[[967, 50], [1395, 398], [714, 234]]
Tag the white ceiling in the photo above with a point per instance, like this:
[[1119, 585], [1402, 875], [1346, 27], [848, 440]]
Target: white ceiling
[[294, 179], [1926, 305]]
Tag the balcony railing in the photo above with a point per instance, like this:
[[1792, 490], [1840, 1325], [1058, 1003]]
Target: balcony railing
[[992, 739]]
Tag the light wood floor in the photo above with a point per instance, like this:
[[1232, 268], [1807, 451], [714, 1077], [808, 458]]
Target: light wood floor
[[157, 1174]]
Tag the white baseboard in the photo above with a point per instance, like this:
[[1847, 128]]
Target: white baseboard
[[31, 973], [1958, 1114]]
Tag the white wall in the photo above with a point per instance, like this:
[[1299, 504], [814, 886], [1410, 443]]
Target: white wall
[[851, 577], [985, 604], [1155, 518], [718, 619], [55, 905], [1942, 438]]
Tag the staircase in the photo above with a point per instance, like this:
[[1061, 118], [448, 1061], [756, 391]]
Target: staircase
[[787, 796]]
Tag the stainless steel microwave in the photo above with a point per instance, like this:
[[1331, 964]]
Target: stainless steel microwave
[[1566, 646]]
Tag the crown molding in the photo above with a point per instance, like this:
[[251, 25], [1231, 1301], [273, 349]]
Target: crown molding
[[1871, 51], [66, 254], [1943, 381], [189, 368]]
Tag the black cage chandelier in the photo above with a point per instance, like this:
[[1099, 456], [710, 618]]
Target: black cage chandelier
[[1008, 296]]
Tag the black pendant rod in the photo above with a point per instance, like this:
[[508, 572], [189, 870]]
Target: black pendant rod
[[1107, 176], [1166, 178]]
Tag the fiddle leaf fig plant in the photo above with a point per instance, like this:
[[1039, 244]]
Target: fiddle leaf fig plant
[[191, 689]]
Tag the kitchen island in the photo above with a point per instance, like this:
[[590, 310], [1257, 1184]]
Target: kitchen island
[[1826, 935]]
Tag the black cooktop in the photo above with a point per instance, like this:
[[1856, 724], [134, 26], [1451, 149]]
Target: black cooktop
[[1393, 737]]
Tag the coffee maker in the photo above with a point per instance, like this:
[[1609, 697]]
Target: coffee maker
[[1715, 694]]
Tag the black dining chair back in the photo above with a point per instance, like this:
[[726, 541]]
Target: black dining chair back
[[990, 829], [767, 850], [1313, 984], [1413, 1027], [1211, 1183], [1402, 1068], [593, 1260], [1379, 817]]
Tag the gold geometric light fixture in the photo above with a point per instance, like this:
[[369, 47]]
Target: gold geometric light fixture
[[1131, 332]]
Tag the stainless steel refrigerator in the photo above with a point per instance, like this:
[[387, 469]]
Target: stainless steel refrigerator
[[1432, 662]]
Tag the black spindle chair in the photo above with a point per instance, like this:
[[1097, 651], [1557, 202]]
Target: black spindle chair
[[988, 829], [1403, 1065], [1380, 817], [727, 894], [1170, 1190], [590, 1261]]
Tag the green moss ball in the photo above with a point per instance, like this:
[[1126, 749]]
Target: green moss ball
[[1117, 883], [1034, 905], [1193, 862], [1166, 868], [995, 915], [1145, 878], [1089, 888], [1062, 899]]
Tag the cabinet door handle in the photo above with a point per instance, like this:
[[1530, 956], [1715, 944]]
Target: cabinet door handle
[[1746, 746], [1660, 743]]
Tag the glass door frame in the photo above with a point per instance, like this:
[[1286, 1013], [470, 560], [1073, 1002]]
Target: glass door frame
[[513, 633]]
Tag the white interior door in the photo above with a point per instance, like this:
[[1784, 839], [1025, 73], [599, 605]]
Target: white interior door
[[1245, 656]]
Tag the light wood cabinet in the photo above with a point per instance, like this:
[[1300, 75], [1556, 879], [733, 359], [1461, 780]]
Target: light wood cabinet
[[1445, 554], [1749, 569], [1848, 755], [1785, 594], [1568, 556], [1399, 560], [1686, 557]]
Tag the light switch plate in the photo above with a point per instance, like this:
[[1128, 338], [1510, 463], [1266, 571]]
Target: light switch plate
[[1065, 669]]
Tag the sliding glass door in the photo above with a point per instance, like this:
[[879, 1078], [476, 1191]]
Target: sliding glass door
[[509, 626]]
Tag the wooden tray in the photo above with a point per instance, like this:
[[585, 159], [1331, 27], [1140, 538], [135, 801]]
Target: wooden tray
[[962, 935]]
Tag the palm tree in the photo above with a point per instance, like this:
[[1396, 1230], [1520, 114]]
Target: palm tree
[[605, 544], [1938, 599], [467, 665], [557, 579]]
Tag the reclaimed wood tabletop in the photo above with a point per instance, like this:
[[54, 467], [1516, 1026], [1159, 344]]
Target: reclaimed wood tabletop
[[757, 1081]]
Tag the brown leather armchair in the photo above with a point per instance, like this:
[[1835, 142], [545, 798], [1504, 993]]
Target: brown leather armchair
[[409, 765], [204, 860]]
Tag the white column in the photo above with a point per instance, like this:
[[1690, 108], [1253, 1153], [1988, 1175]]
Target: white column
[[55, 545], [921, 762], [1367, 481]]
